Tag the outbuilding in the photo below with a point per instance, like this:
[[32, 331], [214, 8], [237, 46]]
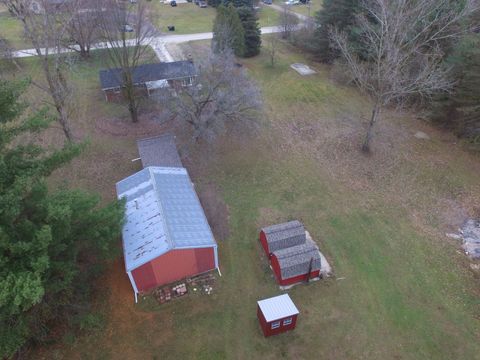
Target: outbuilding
[[166, 236], [296, 264], [281, 236], [277, 314], [148, 78]]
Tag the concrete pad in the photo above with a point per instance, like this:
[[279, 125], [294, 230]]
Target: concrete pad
[[303, 69]]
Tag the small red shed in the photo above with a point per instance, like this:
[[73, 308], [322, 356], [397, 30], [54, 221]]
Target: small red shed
[[281, 236], [296, 264], [277, 314]]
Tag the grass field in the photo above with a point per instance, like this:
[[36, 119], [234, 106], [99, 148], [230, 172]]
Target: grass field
[[400, 290], [11, 30], [190, 18]]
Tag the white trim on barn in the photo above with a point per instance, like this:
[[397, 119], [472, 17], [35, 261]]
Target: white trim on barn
[[134, 286]]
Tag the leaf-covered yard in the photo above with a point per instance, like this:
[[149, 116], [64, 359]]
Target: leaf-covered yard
[[401, 290]]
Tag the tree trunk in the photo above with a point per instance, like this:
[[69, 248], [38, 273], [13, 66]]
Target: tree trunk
[[63, 120], [132, 109], [369, 134]]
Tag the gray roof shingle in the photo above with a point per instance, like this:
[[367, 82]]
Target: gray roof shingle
[[159, 151], [285, 235], [112, 78], [295, 260]]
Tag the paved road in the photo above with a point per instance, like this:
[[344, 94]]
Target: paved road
[[157, 43]]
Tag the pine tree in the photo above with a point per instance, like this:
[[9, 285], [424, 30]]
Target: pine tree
[[460, 109], [49, 242], [251, 28], [228, 32], [339, 13]]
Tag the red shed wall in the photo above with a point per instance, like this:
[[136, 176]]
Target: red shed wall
[[263, 241], [292, 280], [267, 326], [172, 266]]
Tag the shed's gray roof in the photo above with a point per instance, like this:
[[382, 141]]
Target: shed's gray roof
[[284, 235], [159, 151], [162, 213], [112, 78], [295, 260]]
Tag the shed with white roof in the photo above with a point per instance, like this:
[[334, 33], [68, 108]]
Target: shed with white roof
[[277, 314]]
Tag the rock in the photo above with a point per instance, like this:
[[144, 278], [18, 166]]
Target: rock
[[454, 236], [421, 135]]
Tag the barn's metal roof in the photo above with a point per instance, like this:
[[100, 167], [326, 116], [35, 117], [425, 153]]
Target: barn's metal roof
[[295, 260], [162, 213], [159, 151], [284, 235], [277, 307]]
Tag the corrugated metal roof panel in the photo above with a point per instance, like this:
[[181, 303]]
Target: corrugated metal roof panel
[[277, 307], [162, 213]]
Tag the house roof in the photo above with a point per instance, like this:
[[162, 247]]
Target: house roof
[[162, 213], [112, 78], [159, 151], [295, 260], [284, 235], [277, 307]]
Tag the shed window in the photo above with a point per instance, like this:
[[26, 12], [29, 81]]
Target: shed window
[[275, 324], [287, 321]]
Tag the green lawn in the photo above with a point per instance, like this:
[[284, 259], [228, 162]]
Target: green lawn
[[400, 290], [187, 18], [190, 18], [11, 29]]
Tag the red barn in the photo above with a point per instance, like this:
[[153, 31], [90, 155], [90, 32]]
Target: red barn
[[281, 236], [277, 314], [166, 236]]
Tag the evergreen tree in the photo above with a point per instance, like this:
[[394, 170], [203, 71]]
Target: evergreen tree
[[49, 242], [228, 32], [239, 3], [251, 28], [339, 13], [460, 109]]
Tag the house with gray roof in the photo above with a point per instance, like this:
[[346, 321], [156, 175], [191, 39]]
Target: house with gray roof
[[148, 79]]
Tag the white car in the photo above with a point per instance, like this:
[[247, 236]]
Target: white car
[[292, 2]]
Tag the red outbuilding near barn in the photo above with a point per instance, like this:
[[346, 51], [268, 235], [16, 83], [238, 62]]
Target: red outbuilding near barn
[[281, 236], [296, 264], [277, 314], [293, 257]]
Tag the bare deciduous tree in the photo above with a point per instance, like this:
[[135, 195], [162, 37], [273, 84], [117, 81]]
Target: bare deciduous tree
[[272, 46], [222, 98], [83, 25], [288, 21], [128, 33], [46, 31], [403, 53]]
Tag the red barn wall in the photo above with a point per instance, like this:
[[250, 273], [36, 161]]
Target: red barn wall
[[292, 280], [267, 326], [172, 266], [263, 241]]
